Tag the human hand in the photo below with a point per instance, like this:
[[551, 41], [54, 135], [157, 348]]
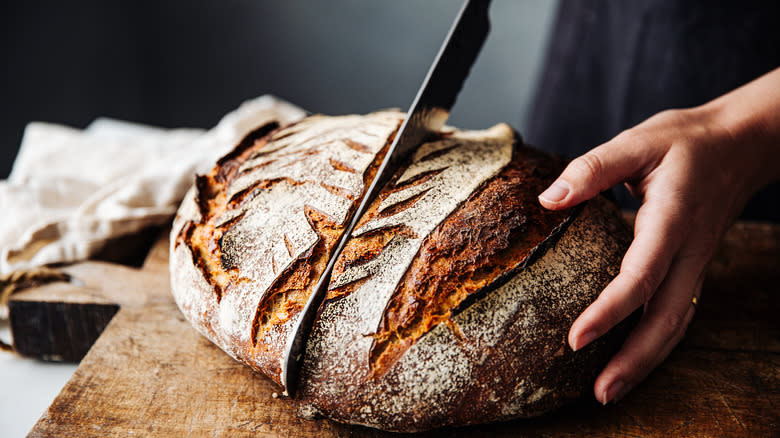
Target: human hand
[[693, 170]]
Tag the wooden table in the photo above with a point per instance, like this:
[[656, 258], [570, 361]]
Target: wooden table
[[150, 373]]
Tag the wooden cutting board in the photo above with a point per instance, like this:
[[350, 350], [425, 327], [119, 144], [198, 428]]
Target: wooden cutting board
[[150, 374]]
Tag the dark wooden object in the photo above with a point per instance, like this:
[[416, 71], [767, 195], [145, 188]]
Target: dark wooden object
[[150, 373]]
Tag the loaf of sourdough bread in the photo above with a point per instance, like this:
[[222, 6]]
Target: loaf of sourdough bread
[[452, 300]]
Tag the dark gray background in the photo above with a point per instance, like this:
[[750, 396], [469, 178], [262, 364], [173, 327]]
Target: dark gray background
[[186, 63]]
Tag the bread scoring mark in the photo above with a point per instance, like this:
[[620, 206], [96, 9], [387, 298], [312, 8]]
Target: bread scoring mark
[[256, 244], [496, 233], [443, 149], [478, 160], [227, 163], [203, 194], [308, 150], [193, 305], [359, 147], [192, 237], [280, 307], [341, 166], [185, 237], [202, 205], [401, 205], [417, 190], [315, 168], [503, 272], [289, 295], [238, 198], [373, 266], [288, 244], [418, 179]]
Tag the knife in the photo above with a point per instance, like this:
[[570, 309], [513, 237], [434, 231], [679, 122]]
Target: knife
[[428, 112]]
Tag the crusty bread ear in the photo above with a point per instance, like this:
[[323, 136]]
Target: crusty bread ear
[[452, 300]]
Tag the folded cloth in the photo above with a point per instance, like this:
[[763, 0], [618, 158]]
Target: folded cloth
[[70, 191]]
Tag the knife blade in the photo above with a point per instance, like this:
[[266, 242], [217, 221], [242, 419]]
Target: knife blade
[[427, 114]]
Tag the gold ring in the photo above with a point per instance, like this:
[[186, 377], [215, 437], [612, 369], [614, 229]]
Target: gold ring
[[695, 302]]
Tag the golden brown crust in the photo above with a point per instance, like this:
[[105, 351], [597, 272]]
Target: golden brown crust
[[490, 236], [475, 330], [451, 302], [493, 232], [212, 232], [503, 356]]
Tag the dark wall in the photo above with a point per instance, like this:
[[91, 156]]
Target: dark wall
[[186, 63]]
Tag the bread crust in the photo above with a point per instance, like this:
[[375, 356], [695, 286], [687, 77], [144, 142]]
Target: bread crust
[[253, 236], [494, 352], [451, 302]]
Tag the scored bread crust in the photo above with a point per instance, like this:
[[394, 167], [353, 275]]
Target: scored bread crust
[[251, 237], [469, 325], [452, 300]]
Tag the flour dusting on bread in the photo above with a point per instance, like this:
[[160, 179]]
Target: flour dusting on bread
[[266, 209], [450, 302]]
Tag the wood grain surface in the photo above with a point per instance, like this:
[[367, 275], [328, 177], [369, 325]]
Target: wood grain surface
[[151, 374]]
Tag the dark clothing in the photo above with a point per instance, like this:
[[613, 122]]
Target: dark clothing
[[612, 64]]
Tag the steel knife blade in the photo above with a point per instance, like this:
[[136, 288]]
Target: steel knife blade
[[427, 114]]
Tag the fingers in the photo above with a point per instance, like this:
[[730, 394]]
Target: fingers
[[661, 328], [603, 167], [644, 267]]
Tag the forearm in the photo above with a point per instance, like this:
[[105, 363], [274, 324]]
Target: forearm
[[751, 114]]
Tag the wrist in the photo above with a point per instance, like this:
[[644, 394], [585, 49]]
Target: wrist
[[750, 117]]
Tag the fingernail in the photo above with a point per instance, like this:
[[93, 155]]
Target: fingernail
[[614, 389], [556, 192], [585, 339]]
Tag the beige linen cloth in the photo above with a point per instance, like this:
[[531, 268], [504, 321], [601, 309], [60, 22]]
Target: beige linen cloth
[[72, 190]]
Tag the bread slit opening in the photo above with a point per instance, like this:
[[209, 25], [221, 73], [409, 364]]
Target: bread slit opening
[[488, 238]]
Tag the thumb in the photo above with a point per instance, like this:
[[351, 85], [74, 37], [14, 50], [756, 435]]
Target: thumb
[[613, 162]]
